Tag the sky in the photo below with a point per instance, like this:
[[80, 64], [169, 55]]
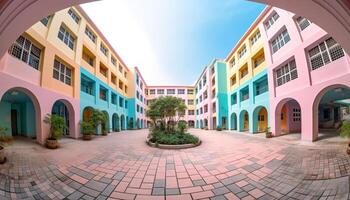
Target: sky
[[171, 41]]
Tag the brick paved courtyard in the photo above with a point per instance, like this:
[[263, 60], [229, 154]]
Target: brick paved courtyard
[[225, 166]]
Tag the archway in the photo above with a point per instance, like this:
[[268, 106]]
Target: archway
[[201, 124], [138, 123], [122, 122], [244, 121], [206, 123], [141, 124], [233, 121], [330, 108], [190, 123], [64, 109], [115, 122], [260, 119], [20, 113], [87, 112], [288, 117]]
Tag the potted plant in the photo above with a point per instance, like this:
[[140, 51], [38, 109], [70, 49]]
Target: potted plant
[[218, 128], [87, 129], [268, 133], [98, 118], [57, 126], [3, 141], [345, 132]]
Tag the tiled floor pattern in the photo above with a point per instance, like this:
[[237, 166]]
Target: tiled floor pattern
[[225, 166]]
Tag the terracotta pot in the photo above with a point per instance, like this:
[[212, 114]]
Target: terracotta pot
[[104, 133], [87, 137], [2, 155], [52, 143]]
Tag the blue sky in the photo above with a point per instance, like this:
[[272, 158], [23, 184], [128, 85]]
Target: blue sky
[[171, 41]]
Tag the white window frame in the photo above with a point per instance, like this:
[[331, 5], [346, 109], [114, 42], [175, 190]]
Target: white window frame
[[103, 49], [279, 41], [255, 38], [66, 37], [242, 52], [272, 20], [62, 72], [286, 73], [90, 34], [303, 23], [26, 51], [74, 15]]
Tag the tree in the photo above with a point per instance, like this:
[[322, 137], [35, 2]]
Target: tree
[[167, 111]]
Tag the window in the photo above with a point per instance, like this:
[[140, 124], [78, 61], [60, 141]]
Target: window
[[62, 73], [233, 99], [213, 95], [66, 37], [280, 40], [120, 68], [271, 20], [125, 74], [233, 62], [261, 87], [212, 70], [152, 91], [214, 107], [103, 94], [146, 91], [137, 94], [233, 80], [113, 79], [126, 89], [286, 73], [255, 38], [141, 85], [160, 91], [206, 108], [296, 115], [87, 58], [121, 102], [170, 91], [126, 104], [103, 70], [324, 53], [204, 80], [90, 34], [303, 23], [189, 91], [190, 102], [45, 21], [121, 85], [87, 85], [181, 91], [114, 99], [244, 72], [242, 51], [103, 49], [113, 61], [259, 60], [190, 112], [74, 16], [137, 108], [200, 98], [201, 110], [261, 118], [205, 94], [213, 82], [244, 94], [26, 51]]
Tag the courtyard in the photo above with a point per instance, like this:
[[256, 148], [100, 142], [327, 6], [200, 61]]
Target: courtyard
[[227, 165]]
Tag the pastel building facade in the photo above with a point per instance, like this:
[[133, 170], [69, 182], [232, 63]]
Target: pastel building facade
[[139, 102], [211, 96], [186, 93], [308, 75], [247, 82], [61, 65]]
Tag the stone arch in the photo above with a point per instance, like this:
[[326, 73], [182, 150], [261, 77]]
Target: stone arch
[[233, 121], [260, 119], [68, 113], [244, 121], [284, 111]]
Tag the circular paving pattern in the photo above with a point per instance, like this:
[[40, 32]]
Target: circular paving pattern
[[225, 166]]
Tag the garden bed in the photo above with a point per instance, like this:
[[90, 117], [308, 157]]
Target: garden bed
[[172, 146], [173, 141]]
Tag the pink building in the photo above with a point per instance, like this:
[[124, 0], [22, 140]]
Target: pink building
[[308, 74]]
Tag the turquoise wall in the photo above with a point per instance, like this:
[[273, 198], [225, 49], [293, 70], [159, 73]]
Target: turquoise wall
[[251, 105], [221, 88], [94, 101]]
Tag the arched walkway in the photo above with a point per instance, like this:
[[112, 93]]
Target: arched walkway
[[330, 107], [190, 123], [20, 113], [122, 122], [233, 122], [260, 119], [107, 124], [201, 124], [288, 117], [206, 125], [244, 121], [115, 122], [65, 109], [138, 123]]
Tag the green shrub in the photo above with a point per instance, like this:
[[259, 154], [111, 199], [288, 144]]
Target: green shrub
[[218, 128], [182, 126], [87, 128], [57, 126], [4, 139], [345, 129], [173, 139]]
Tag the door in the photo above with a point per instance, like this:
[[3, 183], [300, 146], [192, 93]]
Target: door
[[14, 122]]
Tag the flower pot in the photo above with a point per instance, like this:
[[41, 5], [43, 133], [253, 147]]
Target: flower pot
[[87, 137], [104, 133], [2, 155], [52, 143]]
